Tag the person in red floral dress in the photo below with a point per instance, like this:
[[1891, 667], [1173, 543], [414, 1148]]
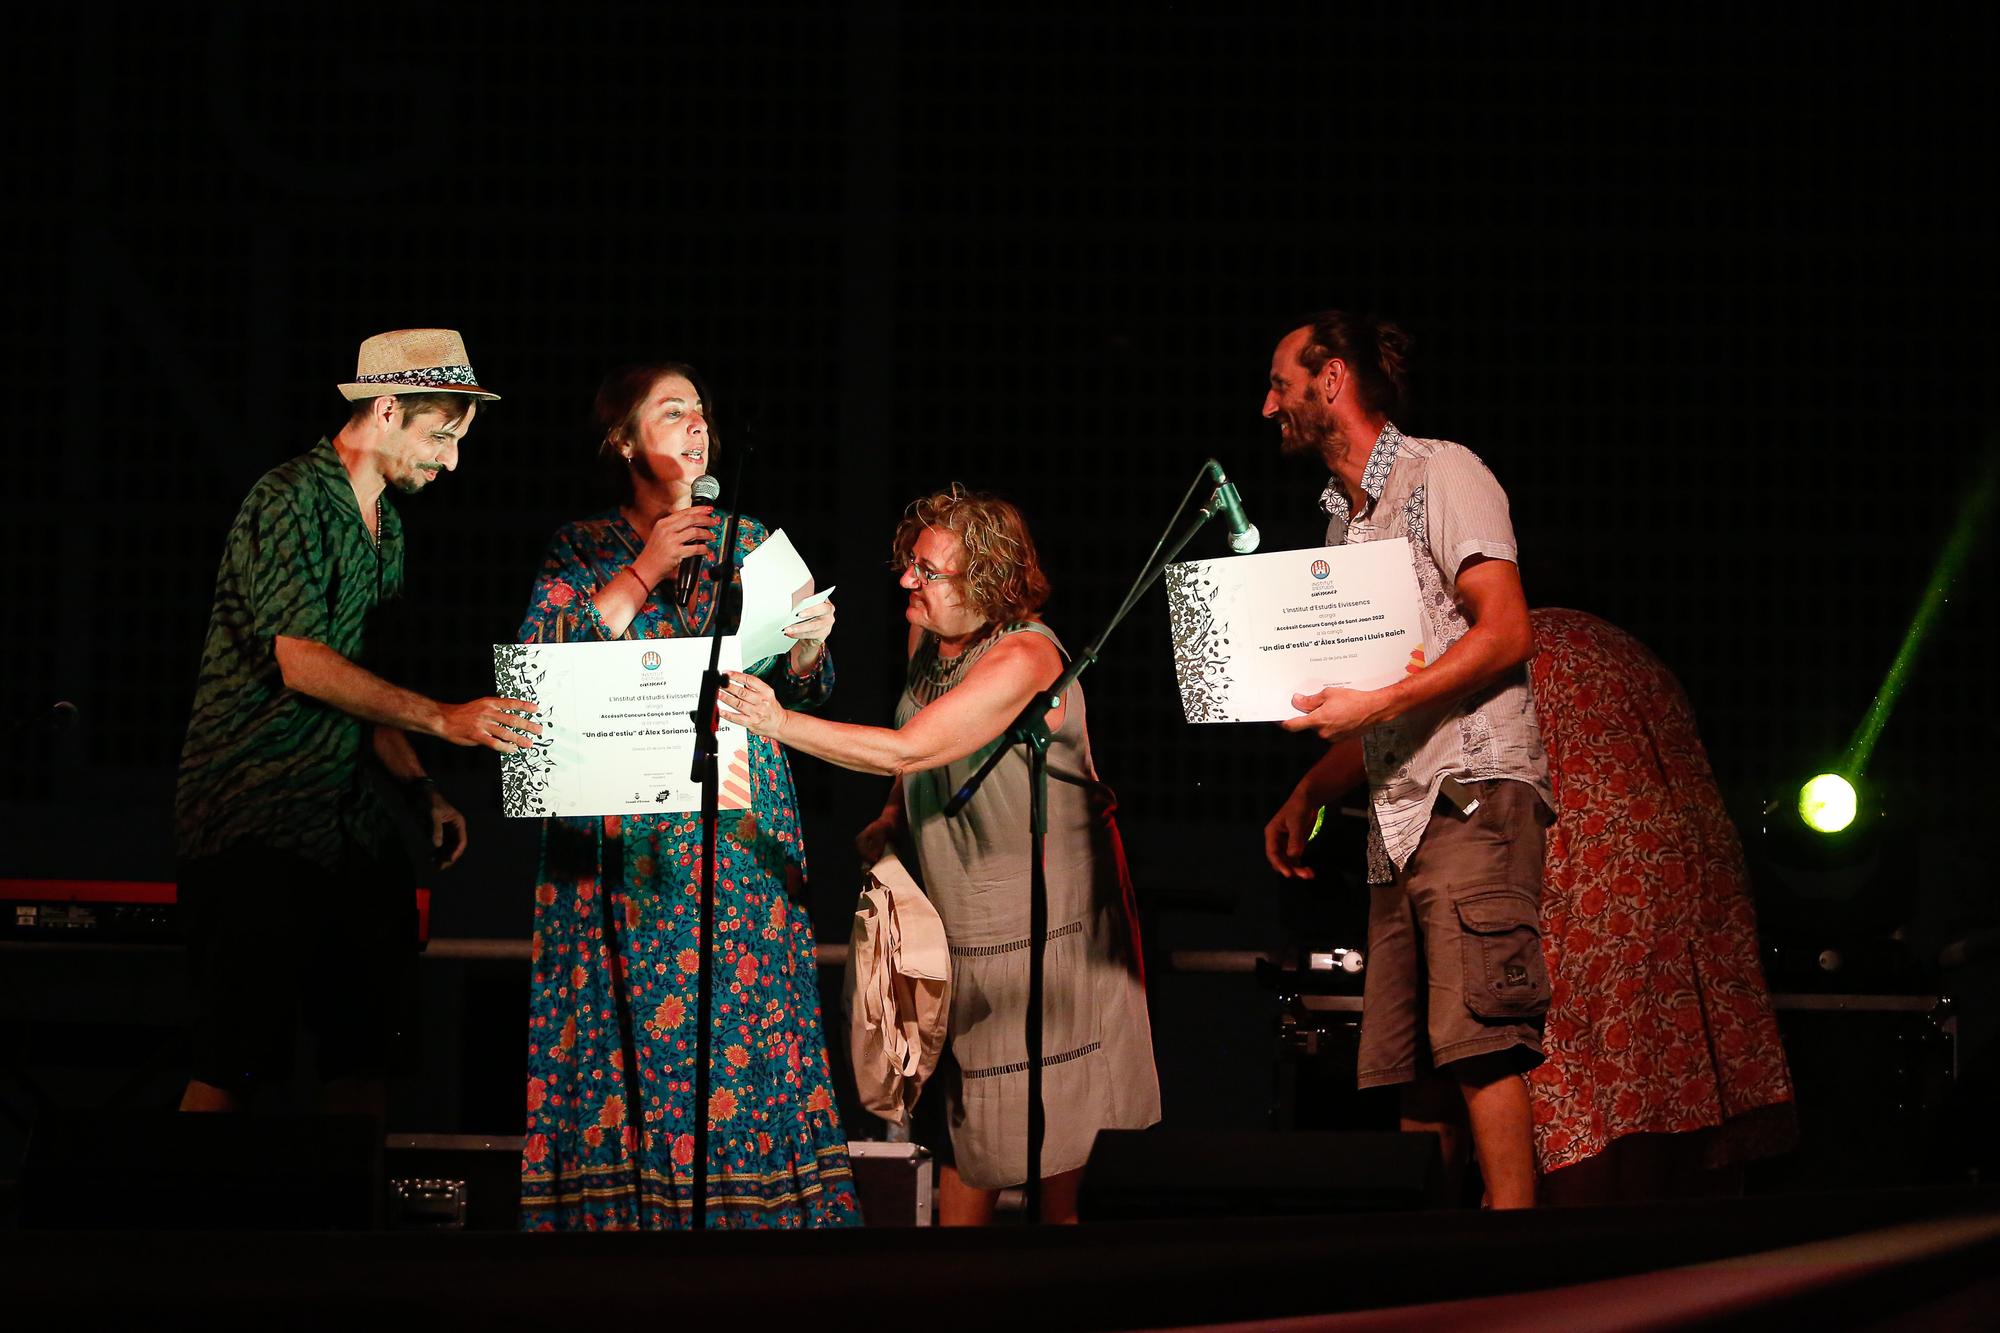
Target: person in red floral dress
[[1660, 1022]]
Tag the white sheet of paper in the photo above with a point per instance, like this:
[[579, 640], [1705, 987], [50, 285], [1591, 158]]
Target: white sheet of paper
[[774, 579], [617, 735], [1250, 631], [804, 609]]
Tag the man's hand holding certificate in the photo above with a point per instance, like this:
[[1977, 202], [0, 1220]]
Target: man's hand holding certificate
[[1262, 638]]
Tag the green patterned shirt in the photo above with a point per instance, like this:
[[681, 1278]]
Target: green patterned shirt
[[263, 763]]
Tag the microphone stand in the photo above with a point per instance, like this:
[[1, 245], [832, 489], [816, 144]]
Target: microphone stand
[[1031, 729], [705, 771]]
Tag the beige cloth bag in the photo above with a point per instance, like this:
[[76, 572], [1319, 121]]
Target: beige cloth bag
[[898, 991]]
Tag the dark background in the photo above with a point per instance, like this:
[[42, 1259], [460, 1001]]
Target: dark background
[[1710, 293]]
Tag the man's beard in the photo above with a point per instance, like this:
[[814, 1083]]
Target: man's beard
[[1312, 429]]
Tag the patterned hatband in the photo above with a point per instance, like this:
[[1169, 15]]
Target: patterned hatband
[[436, 376]]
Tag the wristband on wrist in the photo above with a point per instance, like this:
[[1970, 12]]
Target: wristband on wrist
[[422, 782], [645, 588], [818, 660]]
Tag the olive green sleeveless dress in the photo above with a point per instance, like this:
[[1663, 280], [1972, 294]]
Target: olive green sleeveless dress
[[1097, 1042]]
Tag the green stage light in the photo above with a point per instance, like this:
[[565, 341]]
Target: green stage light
[[1827, 803], [1965, 536]]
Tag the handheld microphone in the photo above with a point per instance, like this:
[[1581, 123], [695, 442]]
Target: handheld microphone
[[706, 490], [1243, 534]]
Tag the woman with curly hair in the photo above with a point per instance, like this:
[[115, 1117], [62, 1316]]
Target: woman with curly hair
[[977, 654]]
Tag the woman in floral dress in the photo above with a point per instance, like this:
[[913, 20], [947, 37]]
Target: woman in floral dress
[[616, 942], [1660, 1024]]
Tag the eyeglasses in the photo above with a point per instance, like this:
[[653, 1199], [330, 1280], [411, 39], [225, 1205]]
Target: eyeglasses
[[925, 572]]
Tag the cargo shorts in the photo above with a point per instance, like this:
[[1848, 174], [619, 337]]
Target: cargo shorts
[[1454, 962]]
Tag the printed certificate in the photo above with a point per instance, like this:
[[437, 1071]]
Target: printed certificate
[[617, 735], [1250, 631]]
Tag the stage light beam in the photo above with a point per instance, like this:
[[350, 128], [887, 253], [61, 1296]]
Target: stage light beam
[[1965, 535]]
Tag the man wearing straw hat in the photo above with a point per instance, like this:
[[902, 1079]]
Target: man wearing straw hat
[[297, 898]]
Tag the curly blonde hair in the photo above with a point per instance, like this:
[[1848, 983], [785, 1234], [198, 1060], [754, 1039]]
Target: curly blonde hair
[[1002, 578]]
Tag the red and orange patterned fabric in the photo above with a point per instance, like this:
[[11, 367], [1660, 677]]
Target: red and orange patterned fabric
[[1660, 1022]]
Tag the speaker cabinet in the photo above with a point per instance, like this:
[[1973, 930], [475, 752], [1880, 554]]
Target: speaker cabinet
[[1136, 1174], [179, 1171]]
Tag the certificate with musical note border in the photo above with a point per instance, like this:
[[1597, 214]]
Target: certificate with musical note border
[[1251, 631], [617, 728]]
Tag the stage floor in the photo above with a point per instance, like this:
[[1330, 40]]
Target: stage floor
[[1904, 1258]]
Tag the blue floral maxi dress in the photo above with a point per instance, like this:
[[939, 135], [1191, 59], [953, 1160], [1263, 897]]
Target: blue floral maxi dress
[[776, 1153]]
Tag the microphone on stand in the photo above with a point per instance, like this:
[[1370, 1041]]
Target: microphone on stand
[[706, 490], [1243, 534]]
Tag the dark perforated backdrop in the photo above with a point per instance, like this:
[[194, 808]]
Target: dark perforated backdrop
[[1710, 298]]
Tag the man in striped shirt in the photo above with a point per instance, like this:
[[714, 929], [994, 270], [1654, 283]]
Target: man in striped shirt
[[1458, 784]]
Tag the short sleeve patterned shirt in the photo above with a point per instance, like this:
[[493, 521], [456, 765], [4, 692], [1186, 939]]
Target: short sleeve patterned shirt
[[1443, 499], [263, 763]]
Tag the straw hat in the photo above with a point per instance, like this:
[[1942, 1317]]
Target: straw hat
[[413, 361]]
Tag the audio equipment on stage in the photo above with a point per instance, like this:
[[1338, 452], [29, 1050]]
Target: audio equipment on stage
[[108, 911], [454, 1182], [472, 1182], [893, 1181], [1134, 1174], [173, 1171], [94, 909], [1321, 992], [1873, 1079]]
